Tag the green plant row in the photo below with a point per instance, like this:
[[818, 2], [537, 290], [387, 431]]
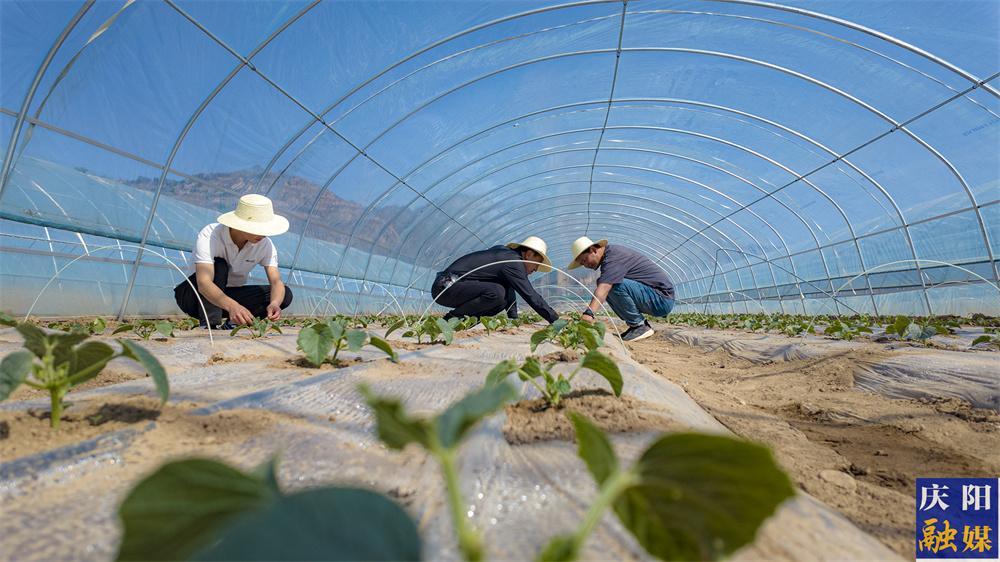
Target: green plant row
[[915, 328]]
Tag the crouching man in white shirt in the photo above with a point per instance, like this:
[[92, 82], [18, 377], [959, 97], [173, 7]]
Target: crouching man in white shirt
[[224, 254]]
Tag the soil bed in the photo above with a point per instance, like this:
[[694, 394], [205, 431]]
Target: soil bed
[[531, 420], [855, 450], [564, 356], [26, 432]]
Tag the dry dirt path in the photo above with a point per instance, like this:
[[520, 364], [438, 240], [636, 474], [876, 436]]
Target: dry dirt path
[[855, 450]]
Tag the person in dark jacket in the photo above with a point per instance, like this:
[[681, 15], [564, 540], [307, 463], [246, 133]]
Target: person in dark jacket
[[489, 290], [631, 283]]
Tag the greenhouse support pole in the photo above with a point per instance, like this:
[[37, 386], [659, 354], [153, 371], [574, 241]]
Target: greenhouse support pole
[[29, 96]]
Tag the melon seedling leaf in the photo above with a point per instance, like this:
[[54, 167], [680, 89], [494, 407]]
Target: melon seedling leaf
[[394, 427], [701, 497], [604, 366], [356, 339], [315, 341], [13, 370], [89, 358], [152, 365], [343, 524], [501, 371], [453, 423], [594, 448], [384, 346], [182, 507]]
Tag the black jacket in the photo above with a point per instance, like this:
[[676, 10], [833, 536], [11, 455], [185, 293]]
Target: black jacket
[[511, 275]]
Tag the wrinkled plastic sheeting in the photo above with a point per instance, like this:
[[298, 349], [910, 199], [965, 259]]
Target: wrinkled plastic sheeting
[[931, 373], [519, 496], [907, 372]]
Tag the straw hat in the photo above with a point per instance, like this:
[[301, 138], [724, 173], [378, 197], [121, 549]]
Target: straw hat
[[255, 214], [579, 246], [538, 245]]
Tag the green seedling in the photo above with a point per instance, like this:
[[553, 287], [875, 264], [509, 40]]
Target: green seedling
[[920, 330], [258, 329], [847, 329], [203, 509], [94, 327], [554, 386], [58, 361], [146, 328], [440, 436], [494, 323], [317, 340], [434, 329], [7, 320], [689, 496], [571, 334], [185, 324], [990, 339]]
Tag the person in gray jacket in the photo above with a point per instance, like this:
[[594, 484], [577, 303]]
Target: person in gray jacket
[[629, 282]]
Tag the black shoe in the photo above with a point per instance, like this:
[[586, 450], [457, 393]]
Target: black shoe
[[636, 333]]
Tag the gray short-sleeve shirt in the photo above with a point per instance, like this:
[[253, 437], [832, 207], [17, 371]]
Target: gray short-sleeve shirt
[[621, 263]]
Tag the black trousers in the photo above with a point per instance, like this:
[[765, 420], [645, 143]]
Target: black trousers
[[474, 298], [254, 297]]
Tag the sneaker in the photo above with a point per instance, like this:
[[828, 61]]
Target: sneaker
[[637, 333]]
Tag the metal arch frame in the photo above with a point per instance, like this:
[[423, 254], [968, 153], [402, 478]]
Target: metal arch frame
[[691, 255], [749, 60], [701, 52], [659, 172], [678, 269], [540, 112], [659, 202], [733, 57], [469, 183], [599, 221], [183, 134], [814, 15], [873, 33], [302, 131], [421, 51], [866, 30], [896, 126], [607, 112], [487, 222], [35, 83], [637, 243], [830, 37]]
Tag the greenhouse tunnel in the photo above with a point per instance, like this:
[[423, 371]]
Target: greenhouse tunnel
[[806, 157], [819, 181]]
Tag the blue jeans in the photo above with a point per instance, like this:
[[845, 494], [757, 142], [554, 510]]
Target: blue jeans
[[631, 299]]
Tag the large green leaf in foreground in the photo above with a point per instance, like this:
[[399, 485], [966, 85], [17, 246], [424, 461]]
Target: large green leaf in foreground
[[701, 497], [182, 507], [205, 510], [325, 524]]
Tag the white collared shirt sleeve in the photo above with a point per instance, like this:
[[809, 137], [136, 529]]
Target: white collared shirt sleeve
[[270, 256], [204, 246]]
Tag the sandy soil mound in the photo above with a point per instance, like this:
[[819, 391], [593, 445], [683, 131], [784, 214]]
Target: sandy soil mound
[[26, 432], [855, 450], [530, 420]]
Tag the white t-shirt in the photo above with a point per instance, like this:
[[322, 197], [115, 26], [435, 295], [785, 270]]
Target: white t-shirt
[[214, 241]]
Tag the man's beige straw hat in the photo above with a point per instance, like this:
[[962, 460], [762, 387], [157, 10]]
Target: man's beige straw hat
[[579, 246], [255, 214], [538, 245]]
